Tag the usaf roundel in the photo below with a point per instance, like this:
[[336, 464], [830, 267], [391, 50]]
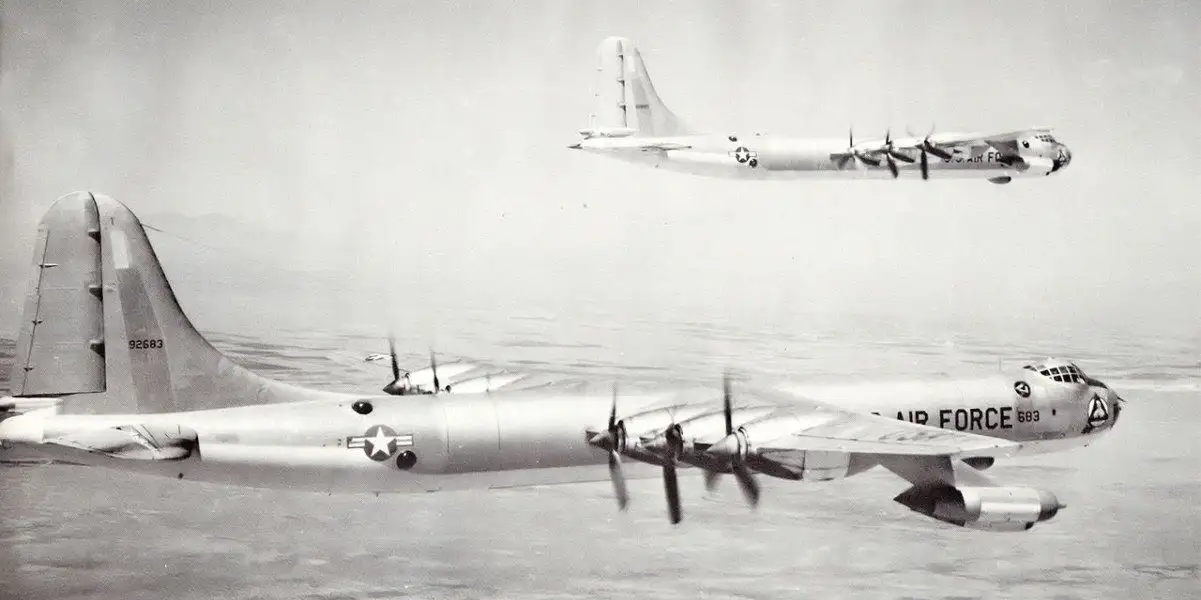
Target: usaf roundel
[[380, 442], [1022, 388], [1098, 411], [746, 156]]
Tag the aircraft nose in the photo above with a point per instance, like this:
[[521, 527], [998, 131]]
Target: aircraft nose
[[1118, 403], [1063, 157]]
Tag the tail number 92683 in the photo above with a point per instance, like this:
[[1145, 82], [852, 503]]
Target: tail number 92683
[[145, 344]]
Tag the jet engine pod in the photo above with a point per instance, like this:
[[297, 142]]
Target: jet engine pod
[[991, 508]]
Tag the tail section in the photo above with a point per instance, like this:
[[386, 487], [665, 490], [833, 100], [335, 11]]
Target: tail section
[[625, 100], [102, 328]]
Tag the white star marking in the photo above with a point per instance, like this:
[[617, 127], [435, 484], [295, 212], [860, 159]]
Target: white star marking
[[379, 442]]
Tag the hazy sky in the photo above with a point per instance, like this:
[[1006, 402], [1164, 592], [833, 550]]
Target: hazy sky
[[384, 159]]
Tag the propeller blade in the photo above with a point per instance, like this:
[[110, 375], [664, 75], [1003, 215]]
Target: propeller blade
[[746, 481], [394, 388], [892, 166], [936, 151], [613, 411], [392, 354], [608, 440], [727, 409], [925, 165], [750, 487], [617, 476], [434, 371], [933, 149], [671, 485]]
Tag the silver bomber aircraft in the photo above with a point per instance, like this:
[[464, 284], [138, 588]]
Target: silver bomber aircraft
[[109, 372], [629, 122]]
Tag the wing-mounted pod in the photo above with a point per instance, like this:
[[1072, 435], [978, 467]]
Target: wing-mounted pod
[[988, 508]]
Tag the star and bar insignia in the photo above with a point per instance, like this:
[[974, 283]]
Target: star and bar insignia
[[744, 155], [380, 442]]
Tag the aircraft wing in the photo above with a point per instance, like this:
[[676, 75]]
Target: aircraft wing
[[124, 442], [806, 425], [853, 433], [462, 377]]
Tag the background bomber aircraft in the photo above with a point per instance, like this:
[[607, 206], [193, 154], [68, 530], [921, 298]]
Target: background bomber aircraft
[[631, 123], [109, 372]]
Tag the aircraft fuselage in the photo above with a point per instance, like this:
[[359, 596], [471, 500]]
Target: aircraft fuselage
[[774, 157], [427, 443]]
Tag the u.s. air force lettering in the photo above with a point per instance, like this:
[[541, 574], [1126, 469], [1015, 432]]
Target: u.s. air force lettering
[[969, 419], [380, 442]]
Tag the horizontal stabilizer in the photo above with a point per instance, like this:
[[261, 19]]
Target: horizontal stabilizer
[[608, 132], [636, 144], [128, 442]]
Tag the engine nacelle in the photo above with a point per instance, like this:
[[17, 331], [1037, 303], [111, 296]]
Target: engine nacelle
[[989, 508], [980, 463]]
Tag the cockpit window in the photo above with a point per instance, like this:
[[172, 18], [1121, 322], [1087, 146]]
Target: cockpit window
[[1061, 372], [1046, 137]]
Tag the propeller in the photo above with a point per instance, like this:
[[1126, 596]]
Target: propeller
[[434, 371], [890, 154], [928, 147], [394, 387], [734, 447], [853, 153], [671, 485], [616, 475], [850, 154]]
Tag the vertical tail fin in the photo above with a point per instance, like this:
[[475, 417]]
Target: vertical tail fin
[[102, 328], [625, 99]]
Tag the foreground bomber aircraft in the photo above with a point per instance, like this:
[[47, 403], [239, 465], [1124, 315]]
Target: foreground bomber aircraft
[[631, 123], [109, 372]]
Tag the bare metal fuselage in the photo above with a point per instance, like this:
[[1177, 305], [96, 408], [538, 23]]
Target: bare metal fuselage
[[502, 440], [783, 158]]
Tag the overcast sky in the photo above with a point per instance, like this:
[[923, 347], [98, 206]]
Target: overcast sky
[[415, 153]]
